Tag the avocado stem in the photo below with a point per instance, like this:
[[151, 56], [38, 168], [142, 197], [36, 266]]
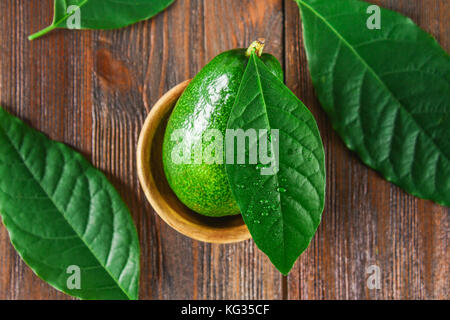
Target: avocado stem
[[257, 47]]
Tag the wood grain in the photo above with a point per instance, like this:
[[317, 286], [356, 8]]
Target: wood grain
[[49, 85], [367, 220], [93, 90]]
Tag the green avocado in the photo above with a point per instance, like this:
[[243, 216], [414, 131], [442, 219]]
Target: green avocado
[[206, 104]]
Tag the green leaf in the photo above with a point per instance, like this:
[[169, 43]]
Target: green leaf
[[386, 91], [102, 14], [283, 208], [61, 212]]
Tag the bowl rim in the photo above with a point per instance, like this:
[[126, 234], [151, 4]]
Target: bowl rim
[[196, 231]]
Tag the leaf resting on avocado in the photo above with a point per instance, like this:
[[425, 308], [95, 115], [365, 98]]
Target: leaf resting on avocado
[[282, 209]]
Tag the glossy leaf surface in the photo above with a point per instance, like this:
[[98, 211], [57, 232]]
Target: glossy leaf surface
[[62, 214], [386, 91], [102, 14], [282, 208]]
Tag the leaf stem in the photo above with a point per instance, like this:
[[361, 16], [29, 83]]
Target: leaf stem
[[55, 24], [257, 47], [42, 32]]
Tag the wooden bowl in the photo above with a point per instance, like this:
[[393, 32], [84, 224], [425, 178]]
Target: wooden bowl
[[156, 188]]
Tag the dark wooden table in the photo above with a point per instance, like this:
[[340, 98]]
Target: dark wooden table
[[93, 90]]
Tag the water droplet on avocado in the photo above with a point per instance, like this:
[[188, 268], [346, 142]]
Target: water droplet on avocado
[[201, 108], [281, 189]]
